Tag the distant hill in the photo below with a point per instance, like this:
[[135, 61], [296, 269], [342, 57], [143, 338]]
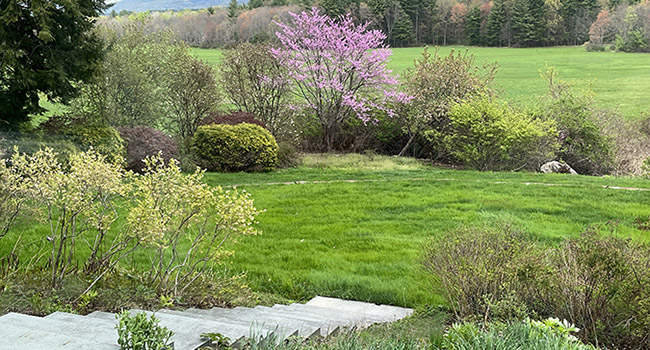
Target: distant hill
[[161, 5]]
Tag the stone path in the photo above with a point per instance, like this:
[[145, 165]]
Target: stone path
[[441, 180], [319, 317]]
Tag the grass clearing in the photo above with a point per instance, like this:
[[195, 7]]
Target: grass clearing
[[352, 226], [620, 80], [362, 239]]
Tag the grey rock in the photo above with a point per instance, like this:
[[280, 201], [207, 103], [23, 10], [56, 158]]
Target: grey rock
[[558, 168]]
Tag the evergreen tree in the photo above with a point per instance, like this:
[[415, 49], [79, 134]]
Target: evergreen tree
[[474, 26], [253, 4], [46, 47], [495, 23], [537, 10], [334, 8], [523, 27], [403, 30], [233, 7]]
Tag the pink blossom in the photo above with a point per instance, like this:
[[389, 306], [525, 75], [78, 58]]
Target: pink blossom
[[337, 68]]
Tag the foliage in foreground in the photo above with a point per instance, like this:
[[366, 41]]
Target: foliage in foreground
[[140, 332], [527, 335], [599, 283], [181, 222]]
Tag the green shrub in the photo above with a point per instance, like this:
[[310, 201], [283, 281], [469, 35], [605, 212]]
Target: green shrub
[[482, 272], [241, 147], [485, 135], [140, 332], [102, 138], [584, 142], [602, 283], [81, 135], [645, 168], [528, 335]]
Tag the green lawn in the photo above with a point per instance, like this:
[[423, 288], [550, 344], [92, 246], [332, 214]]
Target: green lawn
[[362, 239], [620, 80], [352, 226]]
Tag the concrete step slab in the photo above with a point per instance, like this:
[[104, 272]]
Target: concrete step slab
[[188, 330], [387, 312], [281, 331], [41, 333], [306, 328], [75, 318], [339, 317], [108, 316]]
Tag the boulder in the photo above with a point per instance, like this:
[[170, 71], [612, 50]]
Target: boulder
[[557, 167]]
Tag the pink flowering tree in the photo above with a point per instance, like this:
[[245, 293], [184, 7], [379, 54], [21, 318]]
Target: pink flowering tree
[[338, 69]]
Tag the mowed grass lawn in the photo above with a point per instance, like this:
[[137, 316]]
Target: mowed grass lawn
[[362, 240], [620, 80]]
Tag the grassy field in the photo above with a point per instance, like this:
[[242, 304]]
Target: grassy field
[[362, 239], [352, 226], [620, 80]]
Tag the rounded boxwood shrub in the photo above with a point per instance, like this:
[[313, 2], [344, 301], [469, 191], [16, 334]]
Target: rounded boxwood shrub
[[145, 141], [240, 147]]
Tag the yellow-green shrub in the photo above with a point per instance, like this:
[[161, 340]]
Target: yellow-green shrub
[[486, 135], [241, 147]]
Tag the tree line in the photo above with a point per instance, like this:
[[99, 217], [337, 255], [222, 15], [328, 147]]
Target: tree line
[[512, 23]]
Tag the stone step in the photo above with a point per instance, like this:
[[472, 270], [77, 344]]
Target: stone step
[[188, 330], [19, 331], [337, 317], [96, 331], [387, 312], [107, 316], [282, 331], [75, 318], [306, 328]]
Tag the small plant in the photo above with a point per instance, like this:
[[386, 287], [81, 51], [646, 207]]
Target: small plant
[[483, 272], [165, 301], [217, 340], [645, 168], [140, 332], [86, 299]]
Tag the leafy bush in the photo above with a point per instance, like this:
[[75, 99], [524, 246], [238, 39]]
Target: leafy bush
[[487, 136], [584, 143], [142, 142], [76, 203], [233, 118], [600, 283], [185, 222], [241, 147], [479, 268], [529, 335], [15, 191], [436, 83], [81, 135], [140, 332], [255, 82]]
